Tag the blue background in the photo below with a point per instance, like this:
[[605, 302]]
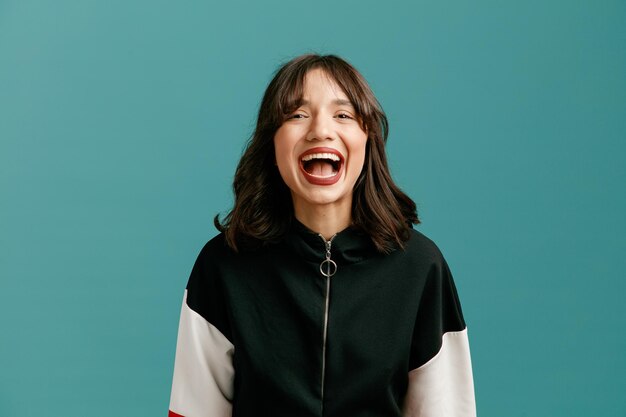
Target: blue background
[[121, 124]]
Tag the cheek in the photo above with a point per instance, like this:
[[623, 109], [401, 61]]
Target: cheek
[[283, 142], [279, 148], [359, 149], [283, 157]]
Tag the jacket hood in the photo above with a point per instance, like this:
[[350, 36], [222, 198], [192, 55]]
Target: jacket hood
[[349, 246]]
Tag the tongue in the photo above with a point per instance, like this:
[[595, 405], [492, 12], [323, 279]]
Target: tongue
[[321, 168]]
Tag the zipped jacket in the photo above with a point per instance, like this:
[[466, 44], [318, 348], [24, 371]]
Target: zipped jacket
[[309, 327]]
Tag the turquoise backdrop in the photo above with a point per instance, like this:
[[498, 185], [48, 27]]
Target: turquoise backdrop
[[121, 123]]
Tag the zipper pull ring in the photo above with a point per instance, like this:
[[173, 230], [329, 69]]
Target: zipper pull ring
[[328, 267]]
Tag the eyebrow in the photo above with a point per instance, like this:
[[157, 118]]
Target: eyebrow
[[338, 102]]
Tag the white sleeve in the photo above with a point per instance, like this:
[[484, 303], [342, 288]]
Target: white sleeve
[[203, 370], [443, 386]]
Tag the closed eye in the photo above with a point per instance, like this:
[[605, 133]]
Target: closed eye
[[296, 116]]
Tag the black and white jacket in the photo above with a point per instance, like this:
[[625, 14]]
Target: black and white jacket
[[273, 332]]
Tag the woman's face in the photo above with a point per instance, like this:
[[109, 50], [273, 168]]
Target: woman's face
[[320, 147]]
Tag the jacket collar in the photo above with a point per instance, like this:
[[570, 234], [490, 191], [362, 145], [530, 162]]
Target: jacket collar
[[348, 246]]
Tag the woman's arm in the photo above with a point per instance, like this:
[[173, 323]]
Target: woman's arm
[[440, 382], [443, 387], [203, 370]]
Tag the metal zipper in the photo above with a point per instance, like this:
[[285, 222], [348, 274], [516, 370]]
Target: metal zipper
[[328, 267]]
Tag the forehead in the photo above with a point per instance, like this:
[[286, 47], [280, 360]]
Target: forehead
[[320, 84]]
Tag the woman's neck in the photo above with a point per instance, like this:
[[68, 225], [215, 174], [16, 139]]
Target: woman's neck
[[325, 220]]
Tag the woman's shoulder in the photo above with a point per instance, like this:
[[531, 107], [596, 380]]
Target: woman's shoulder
[[423, 247], [214, 258], [218, 252], [215, 246]]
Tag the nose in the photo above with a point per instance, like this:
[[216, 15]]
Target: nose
[[320, 129]]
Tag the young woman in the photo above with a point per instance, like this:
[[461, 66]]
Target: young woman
[[318, 298]]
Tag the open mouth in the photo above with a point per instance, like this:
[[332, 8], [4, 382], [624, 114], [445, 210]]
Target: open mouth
[[321, 166]]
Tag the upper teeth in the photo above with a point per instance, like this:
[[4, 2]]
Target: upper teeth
[[325, 155]]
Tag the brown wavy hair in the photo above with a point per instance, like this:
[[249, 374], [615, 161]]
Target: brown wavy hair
[[263, 209]]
